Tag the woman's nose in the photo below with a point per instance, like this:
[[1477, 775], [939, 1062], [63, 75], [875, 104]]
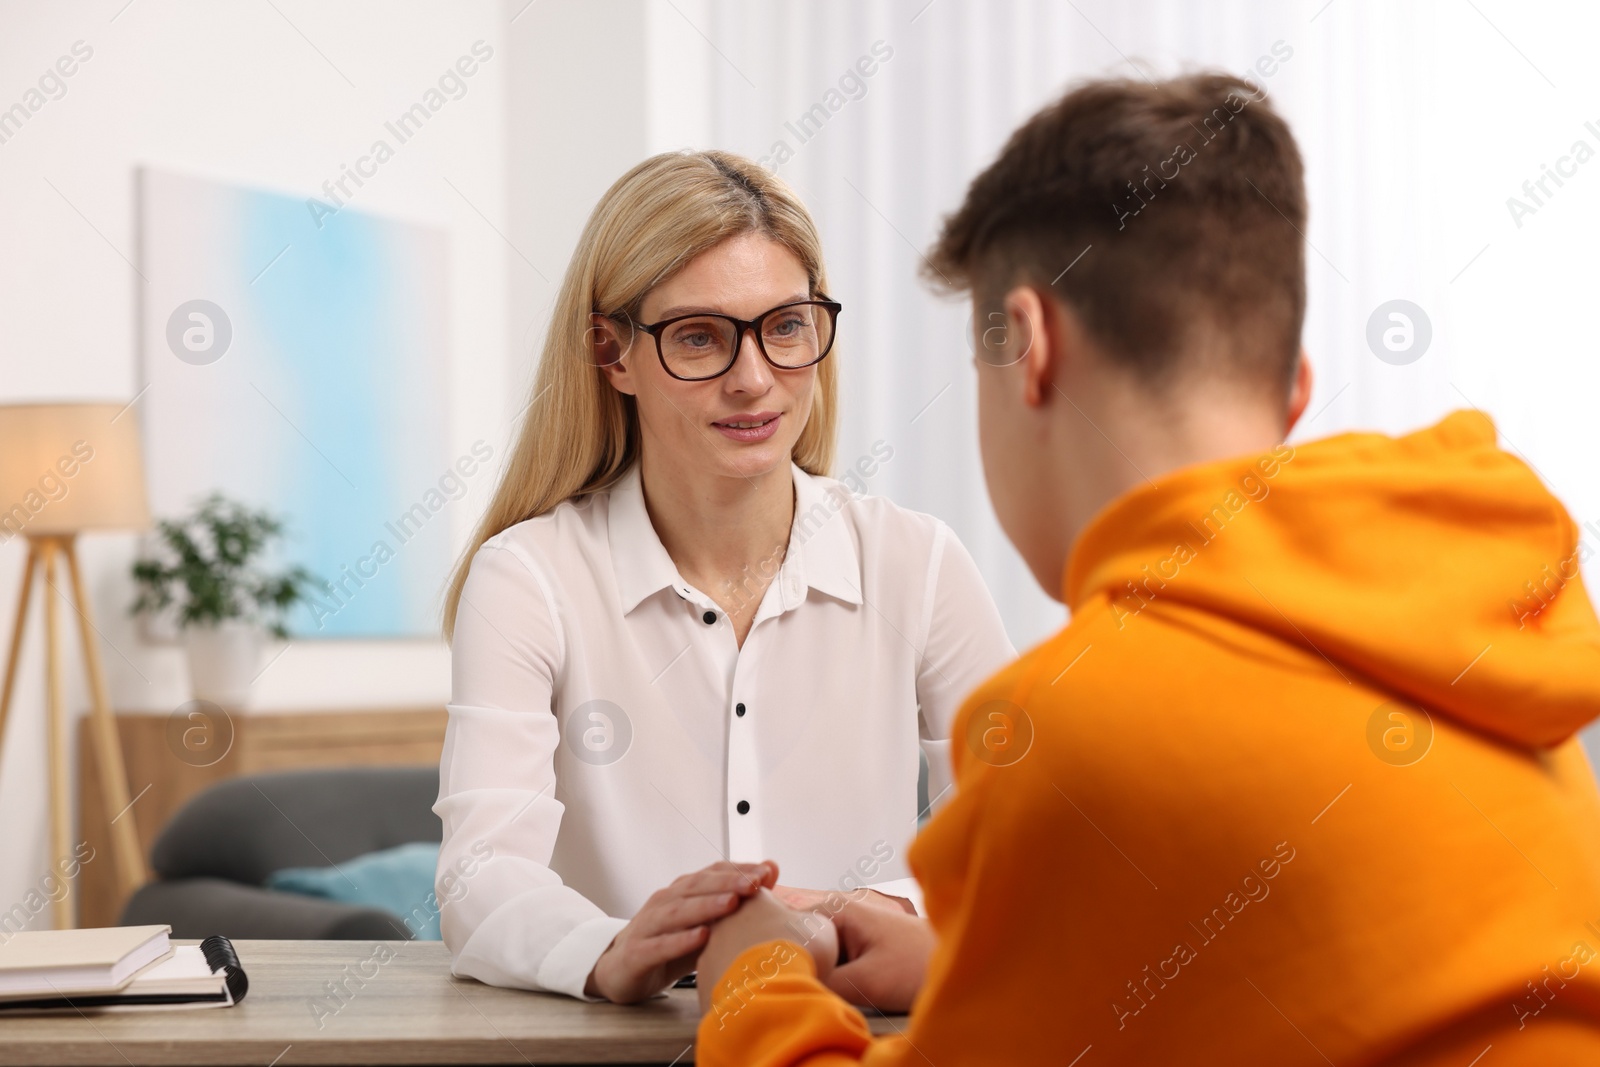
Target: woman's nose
[[750, 372]]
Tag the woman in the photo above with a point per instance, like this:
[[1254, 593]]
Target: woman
[[678, 646]]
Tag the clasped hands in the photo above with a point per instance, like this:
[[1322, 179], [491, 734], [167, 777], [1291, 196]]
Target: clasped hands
[[866, 946]]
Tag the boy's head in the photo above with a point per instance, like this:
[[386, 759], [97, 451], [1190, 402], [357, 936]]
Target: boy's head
[[1135, 258]]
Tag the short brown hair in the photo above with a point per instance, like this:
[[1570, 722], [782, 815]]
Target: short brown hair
[[1189, 195]]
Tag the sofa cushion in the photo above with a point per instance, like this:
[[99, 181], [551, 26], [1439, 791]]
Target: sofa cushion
[[397, 880], [245, 828]]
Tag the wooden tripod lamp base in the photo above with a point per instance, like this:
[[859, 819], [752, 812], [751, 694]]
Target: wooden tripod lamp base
[[44, 553], [66, 468]]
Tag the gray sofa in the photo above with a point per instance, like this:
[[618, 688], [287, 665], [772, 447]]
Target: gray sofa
[[213, 856]]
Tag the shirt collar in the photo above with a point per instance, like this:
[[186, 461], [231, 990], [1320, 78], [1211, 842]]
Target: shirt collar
[[822, 551], [821, 554]]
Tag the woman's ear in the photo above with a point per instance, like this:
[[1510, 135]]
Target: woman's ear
[[607, 342]]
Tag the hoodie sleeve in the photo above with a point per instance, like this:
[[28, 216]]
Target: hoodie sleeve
[[779, 1015], [506, 917]]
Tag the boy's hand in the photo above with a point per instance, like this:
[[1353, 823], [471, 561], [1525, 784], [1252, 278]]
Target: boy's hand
[[886, 957], [763, 917]]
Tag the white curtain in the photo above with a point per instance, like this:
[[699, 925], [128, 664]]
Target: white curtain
[[1417, 122]]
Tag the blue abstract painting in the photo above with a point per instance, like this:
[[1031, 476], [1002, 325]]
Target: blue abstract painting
[[297, 361]]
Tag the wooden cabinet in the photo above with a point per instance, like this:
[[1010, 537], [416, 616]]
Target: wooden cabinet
[[171, 757]]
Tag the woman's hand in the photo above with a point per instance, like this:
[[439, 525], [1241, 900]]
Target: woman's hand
[[661, 943], [829, 901], [764, 918], [886, 957]]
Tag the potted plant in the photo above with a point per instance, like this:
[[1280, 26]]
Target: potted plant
[[204, 565]]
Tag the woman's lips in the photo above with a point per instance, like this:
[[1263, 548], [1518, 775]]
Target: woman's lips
[[767, 426]]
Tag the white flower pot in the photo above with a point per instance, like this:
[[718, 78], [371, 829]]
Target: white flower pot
[[223, 660]]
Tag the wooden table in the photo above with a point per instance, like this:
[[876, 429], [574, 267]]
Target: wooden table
[[401, 1005]]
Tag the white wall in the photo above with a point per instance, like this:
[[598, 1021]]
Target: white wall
[[276, 96], [576, 121]]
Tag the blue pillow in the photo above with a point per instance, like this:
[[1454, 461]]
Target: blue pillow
[[398, 880]]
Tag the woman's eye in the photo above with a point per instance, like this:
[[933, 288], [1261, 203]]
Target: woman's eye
[[786, 327], [692, 338]]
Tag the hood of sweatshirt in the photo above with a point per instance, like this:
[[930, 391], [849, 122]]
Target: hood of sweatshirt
[[1435, 566]]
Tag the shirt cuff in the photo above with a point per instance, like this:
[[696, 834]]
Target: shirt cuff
[[566, 967]]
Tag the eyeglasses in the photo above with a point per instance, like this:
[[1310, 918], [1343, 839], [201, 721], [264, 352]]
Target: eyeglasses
[[699, 347]]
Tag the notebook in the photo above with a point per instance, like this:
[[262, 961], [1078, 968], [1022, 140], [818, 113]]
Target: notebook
[[207, 975], [65, 962]]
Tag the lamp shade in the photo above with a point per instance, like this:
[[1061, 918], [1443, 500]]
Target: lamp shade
[[70, 467]]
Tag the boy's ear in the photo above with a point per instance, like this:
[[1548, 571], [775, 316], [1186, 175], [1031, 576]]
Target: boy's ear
[[1030, 342], [1299, 392], [606, 343]]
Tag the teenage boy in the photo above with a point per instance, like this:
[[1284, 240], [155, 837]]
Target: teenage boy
[[1297, 784]]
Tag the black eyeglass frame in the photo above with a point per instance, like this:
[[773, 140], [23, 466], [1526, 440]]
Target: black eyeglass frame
[[833, 307]]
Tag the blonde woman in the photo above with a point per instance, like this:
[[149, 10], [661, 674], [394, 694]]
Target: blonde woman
[[683, 655]]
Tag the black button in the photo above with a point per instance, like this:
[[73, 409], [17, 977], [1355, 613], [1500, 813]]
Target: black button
[[744, 807], [739, 710], [710, 617]]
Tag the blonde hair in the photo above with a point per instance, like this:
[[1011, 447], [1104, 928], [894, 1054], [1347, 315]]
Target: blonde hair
[[580, 435]]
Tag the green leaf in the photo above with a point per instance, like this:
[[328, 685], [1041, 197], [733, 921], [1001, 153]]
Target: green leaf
[[206, 565]]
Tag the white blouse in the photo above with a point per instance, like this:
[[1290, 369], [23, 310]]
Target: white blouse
[[607, 733]]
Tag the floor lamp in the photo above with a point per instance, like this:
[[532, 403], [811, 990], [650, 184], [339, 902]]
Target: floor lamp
[[65, 468]]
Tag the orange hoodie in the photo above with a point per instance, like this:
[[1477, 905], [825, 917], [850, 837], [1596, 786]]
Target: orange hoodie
[[1296, 785]]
